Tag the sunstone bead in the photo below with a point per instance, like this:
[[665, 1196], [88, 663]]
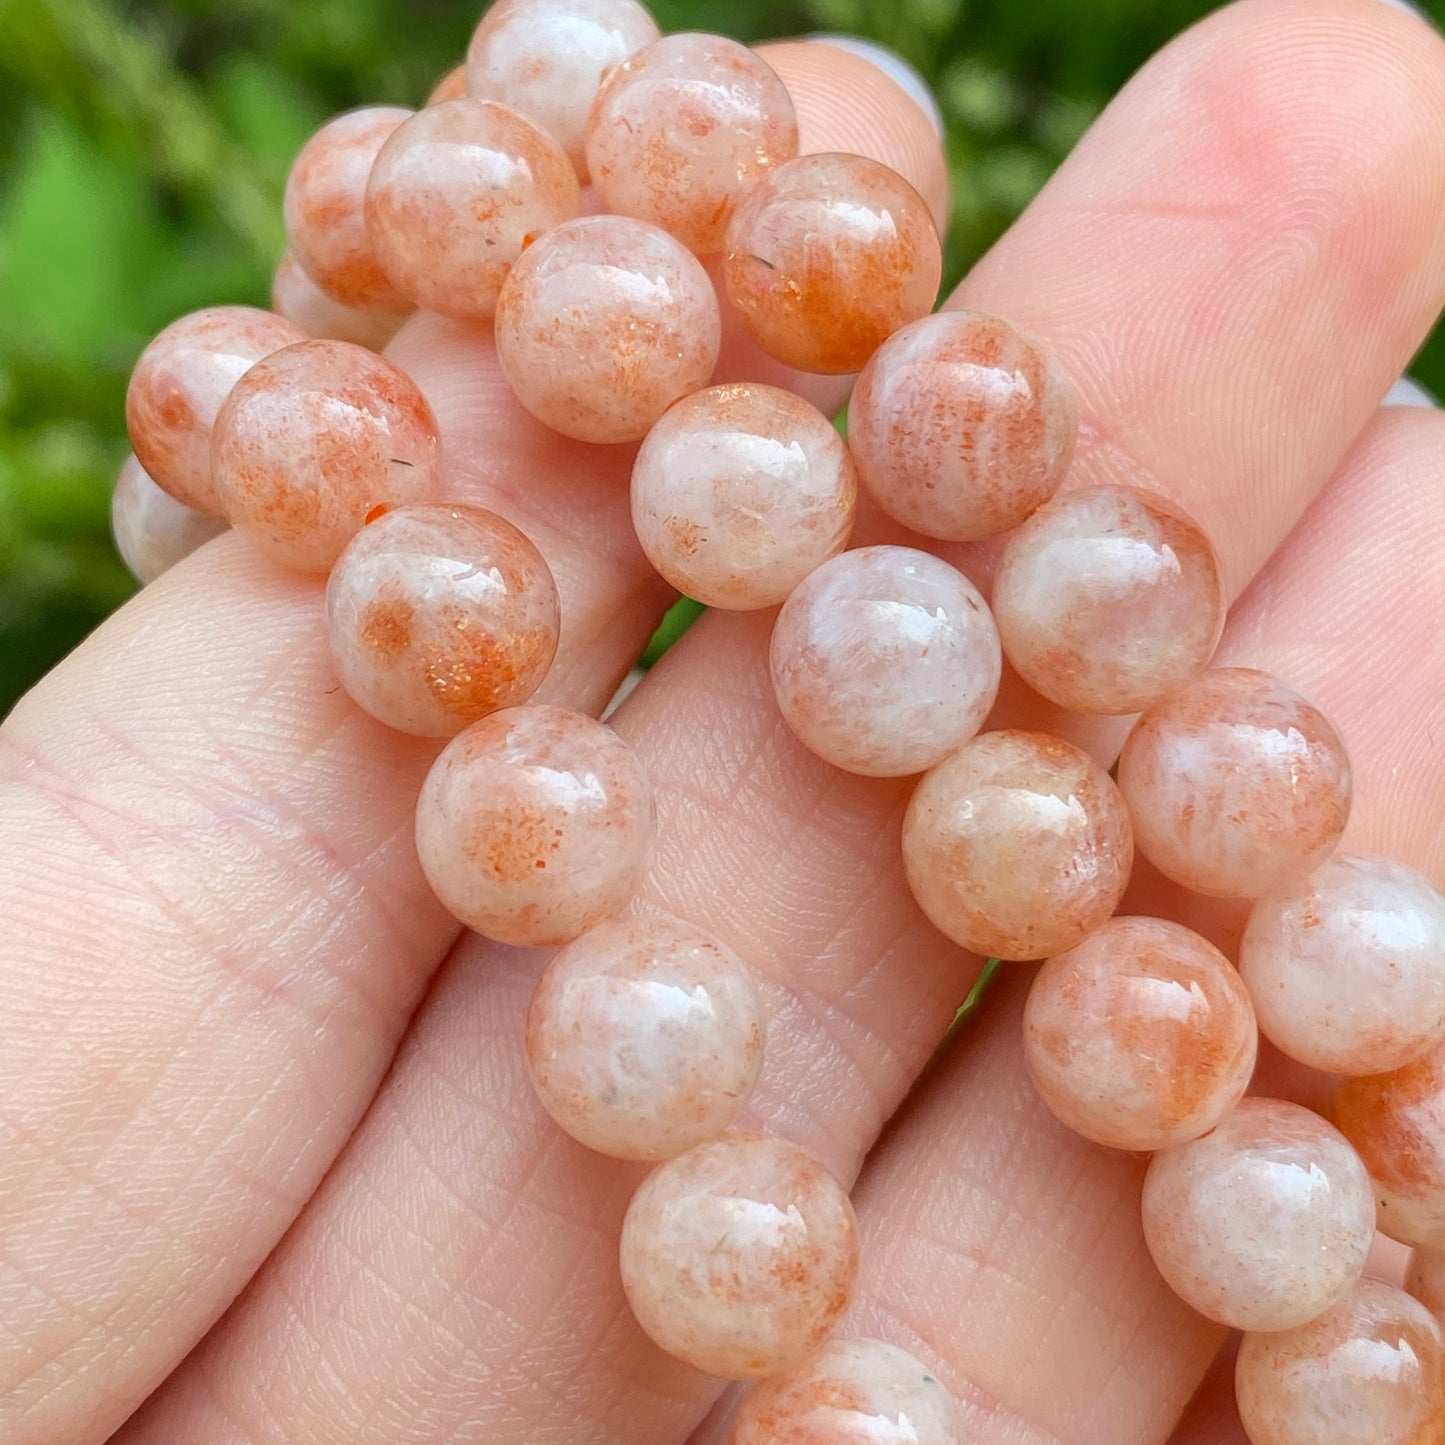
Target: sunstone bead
[[456, 193], [850, 1392], [1018, 845], [1264, 1223], [1140, 1037], [683, 129], [324, 207], [1238, 785], [1347, 967], [1397, 1122], [962, 427], [645, 1037], [885, 660], [1425, 1280], [535, 824], [1108, 599], [440, 615], [602, 324], [317, 438], [826, 257], [178, 386], [739, 491], [739, 1257], [299, 299], [452, 86], [152, 530], [1369, 1371]]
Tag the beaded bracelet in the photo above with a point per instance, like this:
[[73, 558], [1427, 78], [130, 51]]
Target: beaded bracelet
[[535, 825]]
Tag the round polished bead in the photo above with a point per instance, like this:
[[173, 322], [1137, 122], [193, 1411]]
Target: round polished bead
[[851, 1392], [645, 1037], [826, 257], [1426, 1280], [1347, 967], [885, 660], [739, 492], [1397, 1122], [299, 299], [1108, 599], [324, 207], [1238, 786], [452, 86], [152, 530], [683, 129], [602, 324], [1140, 1037], [456, 194], [178, 386], [547, 59], [739, 1257], [1265, 1222], [535, 824], [1017, 846], [312, 441], [439, 616], [1369, 1371], [961, 427]]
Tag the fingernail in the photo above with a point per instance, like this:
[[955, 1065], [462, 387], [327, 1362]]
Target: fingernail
[[1408, 392], [1412, 8], [895, 67]]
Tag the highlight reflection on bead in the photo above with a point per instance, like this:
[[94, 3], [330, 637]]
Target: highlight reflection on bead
[[152, 530]]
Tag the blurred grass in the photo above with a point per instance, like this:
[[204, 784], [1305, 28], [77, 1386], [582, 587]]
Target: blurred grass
[[143, 149]]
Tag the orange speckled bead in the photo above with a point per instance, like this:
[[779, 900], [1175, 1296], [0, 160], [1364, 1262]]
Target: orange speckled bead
[[452, 86], [325, 221], [826, 257], [439, 616], [312, 441], [683, 129], [1369, 1371], [1108, 599], [152, 530], [602, 324], [1140, 1037], [961, 427], [456, 193], [1238, 786], [535, 824], [179, 384], [1018, 846], [739, 1257], [299, 299]]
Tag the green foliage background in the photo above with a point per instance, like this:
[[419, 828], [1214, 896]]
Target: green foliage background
[[143, 148]]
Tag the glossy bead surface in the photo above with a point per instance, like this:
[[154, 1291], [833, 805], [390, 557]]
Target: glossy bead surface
[[152, 530], [1140, 1037], [535, 824], [455, 195], [851, 1392], [1238, 785], [312, 441], [683, 129], [884, 660], [1264, 1223], [645, 1037], [1397, 1122], [739, 491], [739, 1257], [547, 59], [962, 427], [1347, 967], [178, 386], [452, 86], [826, 257], [1018, 846], [439, 616], [325, 221], [299, 299], [602, 324], [1425, 1280], [1108, 599], [1369, 1371]]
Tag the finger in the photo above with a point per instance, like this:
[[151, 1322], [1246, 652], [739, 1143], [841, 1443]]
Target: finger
[[498, 1316]]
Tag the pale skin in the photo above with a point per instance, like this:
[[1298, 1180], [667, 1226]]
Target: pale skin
[[243, 1049]]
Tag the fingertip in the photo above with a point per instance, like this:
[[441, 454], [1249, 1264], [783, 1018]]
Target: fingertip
[[897, 69]]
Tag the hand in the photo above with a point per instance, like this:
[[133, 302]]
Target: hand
[[233, 1012]]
